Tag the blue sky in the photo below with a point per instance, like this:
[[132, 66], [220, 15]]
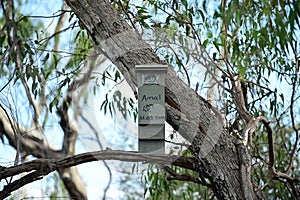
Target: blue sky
[[94, 175]]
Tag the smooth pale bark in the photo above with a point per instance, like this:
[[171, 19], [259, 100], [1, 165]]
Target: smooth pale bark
[[217, 155], [25, 141]]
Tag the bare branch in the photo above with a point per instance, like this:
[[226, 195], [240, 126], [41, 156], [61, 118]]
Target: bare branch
[[42, 167], [274, 174], [54, 164], [101, 147], [182, 177], [239, 100], [181, 64], [28, 143], [31, 102], [61, 20], [70, 130], [293, 118]]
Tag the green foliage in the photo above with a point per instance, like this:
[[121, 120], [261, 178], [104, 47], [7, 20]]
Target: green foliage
[[42, 69], [125, 105], [256, 40], [158, 185]]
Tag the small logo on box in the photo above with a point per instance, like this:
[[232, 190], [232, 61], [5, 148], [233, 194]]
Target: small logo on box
[[150, 79]]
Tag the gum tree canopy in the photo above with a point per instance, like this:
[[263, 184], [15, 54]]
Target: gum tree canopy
[[232, 93]]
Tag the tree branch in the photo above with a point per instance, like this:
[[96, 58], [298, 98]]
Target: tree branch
[[28, 143], [182, 177], [101, 148], [293, 118], [186, 112], [42, 167], [70, 130], [53, 164], [274, 174]]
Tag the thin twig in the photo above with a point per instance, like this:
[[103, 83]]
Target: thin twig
[[293, 118], [101, 147]]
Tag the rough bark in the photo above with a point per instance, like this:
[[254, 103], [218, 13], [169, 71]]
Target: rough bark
[[36, 169], [188, 113]]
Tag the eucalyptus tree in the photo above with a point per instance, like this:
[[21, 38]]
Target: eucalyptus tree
[[239, 120]]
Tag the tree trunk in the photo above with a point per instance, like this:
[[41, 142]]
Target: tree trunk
[[22, 141], [73, 183], [219, 159]]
